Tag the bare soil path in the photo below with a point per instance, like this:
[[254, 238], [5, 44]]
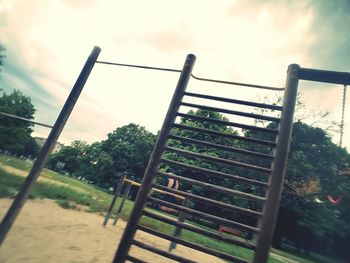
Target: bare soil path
[[45, 232]]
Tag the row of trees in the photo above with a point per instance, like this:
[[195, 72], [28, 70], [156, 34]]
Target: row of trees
[[125, 151], [305, 217]]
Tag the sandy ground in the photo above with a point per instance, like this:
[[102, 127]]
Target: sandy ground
[[45, 232]]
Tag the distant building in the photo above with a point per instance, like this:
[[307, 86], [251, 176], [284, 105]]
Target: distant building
[[40, 141]]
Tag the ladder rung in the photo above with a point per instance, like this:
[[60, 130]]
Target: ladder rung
[[227, 135], [227, 123], [233, 112], [216, 188], [161, 252], [222, 147], [215, 173], [209, 201], [220, 160], [241, 102], [192, 245], [135, 260], [217, 219], [199, 230]]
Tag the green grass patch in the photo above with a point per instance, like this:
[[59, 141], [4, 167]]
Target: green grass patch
[[71, 193]]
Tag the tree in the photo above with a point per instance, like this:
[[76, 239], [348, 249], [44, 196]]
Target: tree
[[71, 156], [305, 215], [15, 134], [130, 147]]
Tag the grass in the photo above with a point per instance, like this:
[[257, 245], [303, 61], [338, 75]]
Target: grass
[[71, 193]]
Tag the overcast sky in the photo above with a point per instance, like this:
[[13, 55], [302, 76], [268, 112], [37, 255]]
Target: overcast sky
[[250, 41]]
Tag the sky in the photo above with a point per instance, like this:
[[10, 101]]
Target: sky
[[47, 43]]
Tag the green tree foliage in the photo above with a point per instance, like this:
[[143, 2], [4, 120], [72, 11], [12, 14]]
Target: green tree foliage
[[130, 147], [85, 161], [305, 215], [72, 156], [15, 134], [126, 151]]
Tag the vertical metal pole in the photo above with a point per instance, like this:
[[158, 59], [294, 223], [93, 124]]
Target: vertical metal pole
[[115, 197], [119, 211], [153, 163], [38, 165], [177, 232], [278, 167]]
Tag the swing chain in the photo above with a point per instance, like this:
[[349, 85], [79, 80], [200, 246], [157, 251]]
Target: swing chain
[[342, 117]]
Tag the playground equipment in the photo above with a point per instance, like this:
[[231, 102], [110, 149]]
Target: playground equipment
[[266, 215], [118, 193], [270, 177]]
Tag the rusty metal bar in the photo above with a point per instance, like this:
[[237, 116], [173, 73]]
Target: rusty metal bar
[[193, 76], [119, 211], [115, 197], [201, 231], [135, 260], [138, 66], [326, 76], [227, 123], [153, 163], [221, 147], [38, 165], [227, 135], [238, 84], [212, 202], [219, 160], [273, 195], [192, 245], [233, 112], [213, 218], [216, 188], [178, 229], [215, 173], [162, 252], [241, 102], [24, 119]]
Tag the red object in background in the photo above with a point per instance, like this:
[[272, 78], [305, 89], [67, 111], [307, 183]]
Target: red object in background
[[334, 201]]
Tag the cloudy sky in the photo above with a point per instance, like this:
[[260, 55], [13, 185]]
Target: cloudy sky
[[250, 41]]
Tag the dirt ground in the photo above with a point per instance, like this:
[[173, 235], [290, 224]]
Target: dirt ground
[[45, 232]]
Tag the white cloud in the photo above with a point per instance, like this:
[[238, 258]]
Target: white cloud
[[244, 41]]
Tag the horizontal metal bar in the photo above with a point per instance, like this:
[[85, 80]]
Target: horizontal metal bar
[[199, 230], [138, 66], [238, 84], [241, 102], [233, 112], [210, 201], [221, 147], [192, 245], [193, 76], [216, 188], [135, 260], [220, 220], [227, 135], [325, 76], [227, 123], [219, 160], [161, 252], [24, 119], [215, 173]]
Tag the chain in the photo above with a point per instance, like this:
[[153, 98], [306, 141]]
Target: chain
[[342, 117]]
